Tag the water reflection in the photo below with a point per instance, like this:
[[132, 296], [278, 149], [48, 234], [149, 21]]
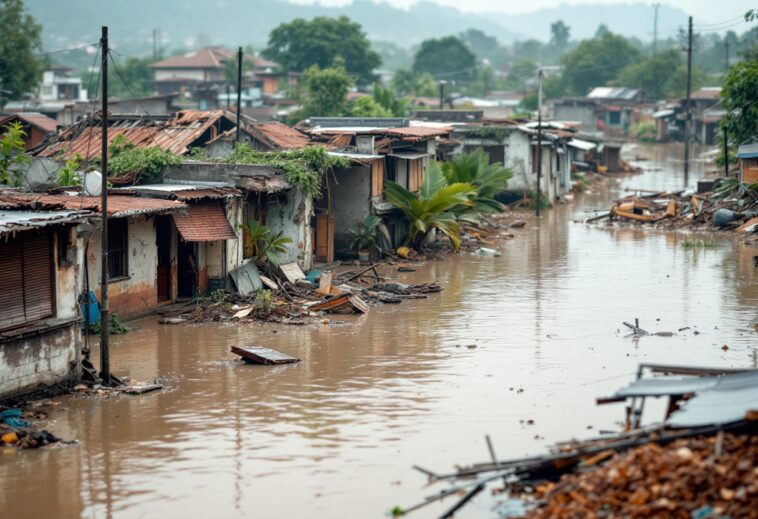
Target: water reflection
[[531, 335]]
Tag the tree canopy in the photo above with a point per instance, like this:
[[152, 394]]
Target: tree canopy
[[480, 43], [559, 34], [326, 91], [595, 62], [657, 75], [445, 58], [739, 99], [20, 45], [300, 44], [134, 72]]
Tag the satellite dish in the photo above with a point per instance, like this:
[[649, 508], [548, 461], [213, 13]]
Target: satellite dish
[[93, 183]]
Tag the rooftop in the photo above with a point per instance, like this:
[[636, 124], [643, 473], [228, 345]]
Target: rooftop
[[35, 119], [210, 57], [622, 93], [118, 205], [22, 220]]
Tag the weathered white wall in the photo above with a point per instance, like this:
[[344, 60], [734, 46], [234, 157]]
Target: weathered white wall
[[137, 294], [190, 73], [519, 159], [351, 201], [290, 212]]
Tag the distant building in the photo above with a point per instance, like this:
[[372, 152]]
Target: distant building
[[747, 154], [706, 117], [58, 84], [604, 110]]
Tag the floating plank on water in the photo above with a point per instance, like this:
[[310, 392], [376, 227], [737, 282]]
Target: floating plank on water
[[144, 388], [259, 355]]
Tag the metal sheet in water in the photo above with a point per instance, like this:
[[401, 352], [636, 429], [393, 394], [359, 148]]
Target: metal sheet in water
[[727, 401]]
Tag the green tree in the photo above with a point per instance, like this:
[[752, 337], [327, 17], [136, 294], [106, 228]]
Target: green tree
[[655, 74], [489, 179], [367, 106], [134, 72], [445, 58], [409, 83], [300, 44], [738, 97], [520, 73], [12, 155], [559, 34], [20, 44], [597, 61], [387, 98], [326, 91], [480, 43]]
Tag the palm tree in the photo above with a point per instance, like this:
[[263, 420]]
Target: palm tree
[[433, 207], [265, 245], [490, 179]]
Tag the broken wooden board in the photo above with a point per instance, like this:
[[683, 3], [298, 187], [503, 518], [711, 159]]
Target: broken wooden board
[[139, 390], [325, 281], [243, 312], [269, 282], [172, 320], [749, 226], [292, 272], [342, 303], [260, 355]]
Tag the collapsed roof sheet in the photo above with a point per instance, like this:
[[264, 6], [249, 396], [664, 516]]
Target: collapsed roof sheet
[[12, 221], [728, 400]]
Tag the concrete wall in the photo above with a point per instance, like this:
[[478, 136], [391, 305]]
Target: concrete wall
[[190, 73], [582, 113], [519, 159], [46, 353], [290, 212], [136, 294], [40, 358], [351, 201]]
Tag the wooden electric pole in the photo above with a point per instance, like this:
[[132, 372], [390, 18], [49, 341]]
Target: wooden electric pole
[[105, 370], [538, 201], [726, 55], [239, 93], [656, 6], [688, 116]]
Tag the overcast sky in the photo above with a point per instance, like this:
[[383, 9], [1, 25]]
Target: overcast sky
[[707, 11]]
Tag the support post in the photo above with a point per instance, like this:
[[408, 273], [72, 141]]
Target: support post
[[442, 94], [688, 118], [239, 94], [105, 370], [538, 200], [726, 153]]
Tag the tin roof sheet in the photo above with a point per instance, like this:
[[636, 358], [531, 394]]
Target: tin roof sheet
[[204, 222], [727, 400], [184, 191], [177, 134], [118, 205], [263, 184], [36, 119], [13, 221]]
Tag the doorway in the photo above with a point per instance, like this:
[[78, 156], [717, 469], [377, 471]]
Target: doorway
[[163, 232], [187, 268]]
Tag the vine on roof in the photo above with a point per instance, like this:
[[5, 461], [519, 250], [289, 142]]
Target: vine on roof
[[304, 167]]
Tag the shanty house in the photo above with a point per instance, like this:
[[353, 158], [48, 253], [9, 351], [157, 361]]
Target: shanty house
[[380, 150], [39, 321], [35, 125], [747, 154]]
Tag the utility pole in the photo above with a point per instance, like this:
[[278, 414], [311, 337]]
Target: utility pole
[[726, 55], [155, 43], [539, 142], [442, 94], [688, 117], [239, 93], [656, 6], [105, 370]]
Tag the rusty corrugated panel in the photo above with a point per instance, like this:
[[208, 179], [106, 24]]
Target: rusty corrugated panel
[[208, 193], [279, 136], [413, 132], [204, 222], [118, 206]]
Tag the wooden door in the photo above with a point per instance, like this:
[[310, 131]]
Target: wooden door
[[324, 238]]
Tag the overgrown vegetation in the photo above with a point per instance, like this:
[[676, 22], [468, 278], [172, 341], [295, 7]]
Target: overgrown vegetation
[[68, 174], [489, 179], [304, 167], [264, 301], [128, 159], [12, 155], [116, 326], [262, 244], [644, 131], [364, 235]]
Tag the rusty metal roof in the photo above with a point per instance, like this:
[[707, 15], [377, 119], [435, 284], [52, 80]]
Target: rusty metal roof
[[13, 221], [119, 206], [36, 119], [278, 135], [413, 133], [183, 192], [204, 222], [186, 129]]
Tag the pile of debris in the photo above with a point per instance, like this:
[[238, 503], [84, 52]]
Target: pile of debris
[[707, 476], [674, 210], [291, 297], [18, 432], [699, 462], [492, 229]]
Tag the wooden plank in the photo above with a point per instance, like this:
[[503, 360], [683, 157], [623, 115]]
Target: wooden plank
[[292, 272], [325, 281], [269, 282], [260, 355], [358, 304], [332, 303], [138, 390]]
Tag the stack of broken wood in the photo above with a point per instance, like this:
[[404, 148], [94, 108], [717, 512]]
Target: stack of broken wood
[[684, 210], [290, 297]]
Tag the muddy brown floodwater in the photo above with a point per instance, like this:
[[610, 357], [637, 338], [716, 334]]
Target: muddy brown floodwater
[[336, 435]]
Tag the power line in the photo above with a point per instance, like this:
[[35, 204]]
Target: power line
[[730, 20]]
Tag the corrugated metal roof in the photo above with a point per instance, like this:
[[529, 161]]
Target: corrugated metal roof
[[409, 155], [727, 400], [707, 93], [176, 134], [582, 145], [204, 222], [748, 151], [13, 221], [118, 205], [613, 93], [413, 133], [273, 134], [210, 57], [184, 192], [37, 119]]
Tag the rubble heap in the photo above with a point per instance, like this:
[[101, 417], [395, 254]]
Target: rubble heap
[[16, 430], [697, 477]]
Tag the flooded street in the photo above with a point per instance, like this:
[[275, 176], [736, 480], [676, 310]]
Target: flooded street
[[336, 435]]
